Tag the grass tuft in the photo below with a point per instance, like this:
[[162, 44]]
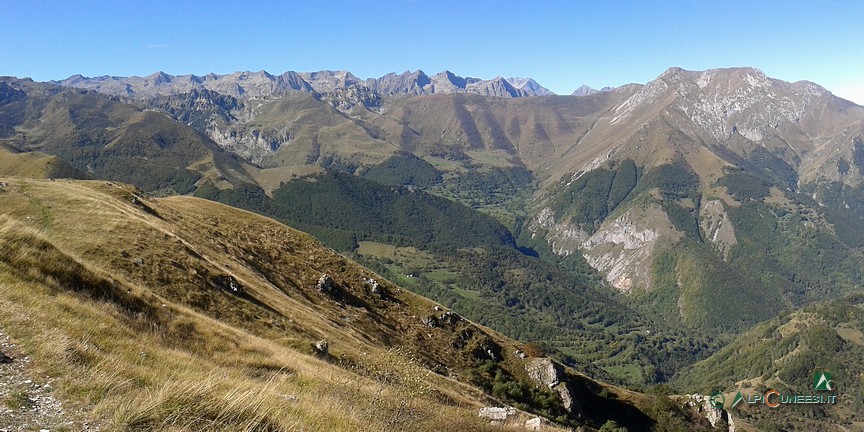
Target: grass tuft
[[18, 400]]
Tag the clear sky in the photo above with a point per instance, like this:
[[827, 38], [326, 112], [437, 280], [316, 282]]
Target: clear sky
[[560, 44]]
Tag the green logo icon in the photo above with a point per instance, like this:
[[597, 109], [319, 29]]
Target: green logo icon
[[717, 400], [738, 398], [822, 381]]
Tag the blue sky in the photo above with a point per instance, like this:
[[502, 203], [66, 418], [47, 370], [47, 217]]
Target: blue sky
[[560, 44]]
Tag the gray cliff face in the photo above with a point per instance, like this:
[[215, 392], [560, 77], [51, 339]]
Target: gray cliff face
[[621, 249]]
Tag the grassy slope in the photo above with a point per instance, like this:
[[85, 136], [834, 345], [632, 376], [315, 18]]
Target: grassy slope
[[117, 299], [529, 131], [36, 165], [320, 134]]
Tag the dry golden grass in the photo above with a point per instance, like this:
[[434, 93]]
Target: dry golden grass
[[113, 296], [135, 378], [35, 165]]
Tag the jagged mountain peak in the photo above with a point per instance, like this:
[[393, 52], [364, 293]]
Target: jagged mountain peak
[[520, 81], [530, 86], [584, 90], [260, 74], [416, 73], [248, 84], [326, 80], [452, 78], [76, 78], [159, 78], [497, 86], [412, 83]]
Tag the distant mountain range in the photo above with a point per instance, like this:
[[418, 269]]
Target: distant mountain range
[[263, 84]]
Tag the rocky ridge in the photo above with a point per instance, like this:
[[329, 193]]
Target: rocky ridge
[[530, 86], [261, 84]]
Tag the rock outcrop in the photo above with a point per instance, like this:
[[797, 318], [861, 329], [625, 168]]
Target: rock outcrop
[[534, 424], [430, 321], [325, 284], [497, 414], [449, 318], [716, 416], [510, 417], [322, 348], [544, 372], [229, 283], [717, 227], [374, 286]]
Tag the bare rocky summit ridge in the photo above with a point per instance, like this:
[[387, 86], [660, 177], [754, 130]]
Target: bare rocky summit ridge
[[530, 86], [263, 84], [584, 90], [743, 100], [410, 83], [327, 81], [238, 84]]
